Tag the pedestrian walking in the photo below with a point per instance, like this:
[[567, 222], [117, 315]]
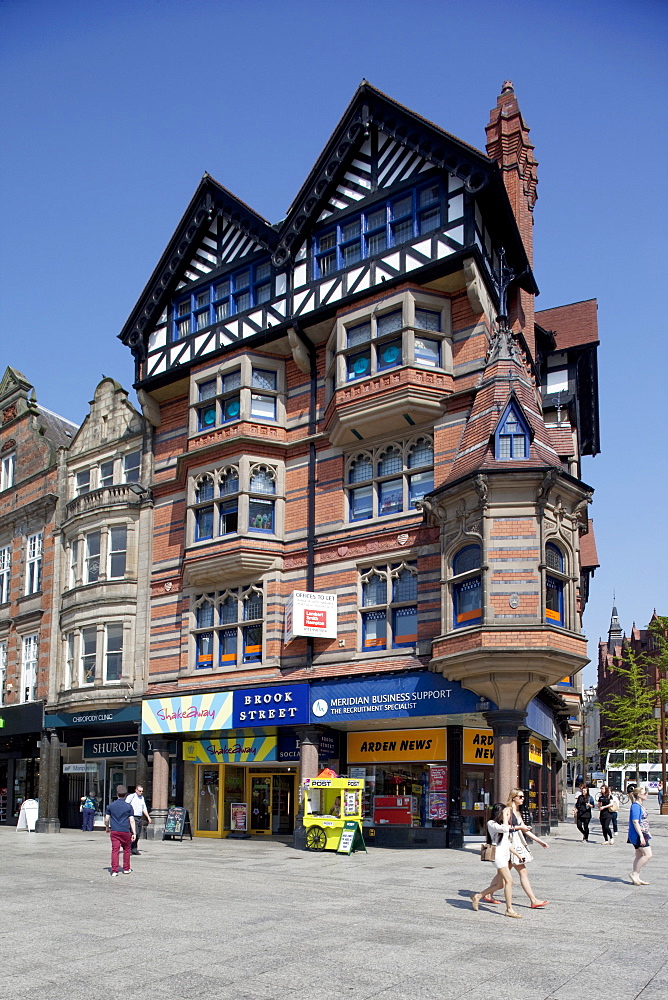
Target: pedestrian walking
[[605, 814], [519, 831], [138, 803], [498, 834], [119, 823], [87, 813], [582, 811], [659, 793], [639, 834], [614, 812]]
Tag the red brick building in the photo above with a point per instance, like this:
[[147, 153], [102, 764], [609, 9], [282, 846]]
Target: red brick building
[[30, 437], [360, 405]]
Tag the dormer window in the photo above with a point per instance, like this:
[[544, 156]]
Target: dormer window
[[512, 435]]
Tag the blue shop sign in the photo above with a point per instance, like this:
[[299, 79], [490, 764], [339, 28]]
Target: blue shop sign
[[105, 747], [288, 746], [94, 717], [287, 705], [398, 697]]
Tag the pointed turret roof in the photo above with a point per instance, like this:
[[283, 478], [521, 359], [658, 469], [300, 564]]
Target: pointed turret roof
[[506, 379]]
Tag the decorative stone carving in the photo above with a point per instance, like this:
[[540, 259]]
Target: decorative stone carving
[[482, 489]]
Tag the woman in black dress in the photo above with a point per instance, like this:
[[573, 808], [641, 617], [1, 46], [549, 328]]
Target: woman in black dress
[[583, 807], [605, 814]]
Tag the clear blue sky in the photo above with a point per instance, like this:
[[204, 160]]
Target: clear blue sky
[[112, 111]]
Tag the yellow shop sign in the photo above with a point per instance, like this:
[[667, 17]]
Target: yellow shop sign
[[535, 751], [478, 747], [396, 745]]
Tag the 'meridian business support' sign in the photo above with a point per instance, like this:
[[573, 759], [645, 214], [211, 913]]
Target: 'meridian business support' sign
[[310, 615], [409, 695]]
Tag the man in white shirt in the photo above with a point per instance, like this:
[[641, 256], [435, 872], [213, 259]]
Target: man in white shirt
[[136, 800]]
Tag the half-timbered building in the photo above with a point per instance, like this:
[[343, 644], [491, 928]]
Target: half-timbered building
[[368, 504]]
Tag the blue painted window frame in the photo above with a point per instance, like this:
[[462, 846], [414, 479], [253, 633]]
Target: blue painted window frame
[[358, 235], [219, 299], [512, 438], [554, 587], [467, 586]]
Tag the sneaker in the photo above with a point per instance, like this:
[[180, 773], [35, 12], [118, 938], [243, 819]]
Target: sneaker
[[126, 871], [114, 874]]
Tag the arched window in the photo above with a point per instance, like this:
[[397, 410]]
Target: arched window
[[554, 587], [467, 590], [204, 515], [204, 490], [204, 639], [512, 435]]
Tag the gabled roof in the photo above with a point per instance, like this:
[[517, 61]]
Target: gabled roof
[[213, 213], [573, 325], [505, 380], [414, 144]]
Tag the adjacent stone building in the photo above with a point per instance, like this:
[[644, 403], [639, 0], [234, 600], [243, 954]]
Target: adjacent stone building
[[103, 552]]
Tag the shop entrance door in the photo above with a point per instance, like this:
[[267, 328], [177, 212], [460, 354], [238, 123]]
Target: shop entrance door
[[283, 788], [477, 799], [272, 803], [260, 817], [208, 789]]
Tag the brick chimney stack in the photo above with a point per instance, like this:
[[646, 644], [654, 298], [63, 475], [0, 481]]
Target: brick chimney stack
[[508, 143]]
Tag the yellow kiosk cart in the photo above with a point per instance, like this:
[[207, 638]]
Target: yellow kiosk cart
[[333, 814]]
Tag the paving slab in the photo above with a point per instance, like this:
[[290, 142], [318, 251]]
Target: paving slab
[[258, 920]]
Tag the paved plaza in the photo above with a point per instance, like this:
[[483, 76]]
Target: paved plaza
[[235, 920]]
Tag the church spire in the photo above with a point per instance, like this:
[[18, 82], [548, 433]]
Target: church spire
[[615, 633]]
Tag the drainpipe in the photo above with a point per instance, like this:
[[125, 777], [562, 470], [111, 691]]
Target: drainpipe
[[310, 503]]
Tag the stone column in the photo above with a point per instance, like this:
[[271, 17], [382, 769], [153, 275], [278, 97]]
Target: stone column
[[523, 754], [455, 829], [505, 724], [545, 790], [142, 760], [308, 768], [49, 784], [160, 790]]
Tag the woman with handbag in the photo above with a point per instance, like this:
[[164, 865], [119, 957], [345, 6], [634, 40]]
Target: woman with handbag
[[639, 834], [518, 833], [498, 835], [605, 814]]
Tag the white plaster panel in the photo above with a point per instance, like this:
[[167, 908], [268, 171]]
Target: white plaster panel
[[300, 275], [281, 283], [424, 246], [157, 339], [394, 260]]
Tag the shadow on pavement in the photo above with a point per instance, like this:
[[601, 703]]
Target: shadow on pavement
[[603, 878]]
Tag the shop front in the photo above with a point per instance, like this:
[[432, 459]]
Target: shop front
[[398, 734], [240, 753], [99, 750], [20, 734]]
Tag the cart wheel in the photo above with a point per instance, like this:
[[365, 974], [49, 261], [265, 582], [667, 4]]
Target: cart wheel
[[316, 838]]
